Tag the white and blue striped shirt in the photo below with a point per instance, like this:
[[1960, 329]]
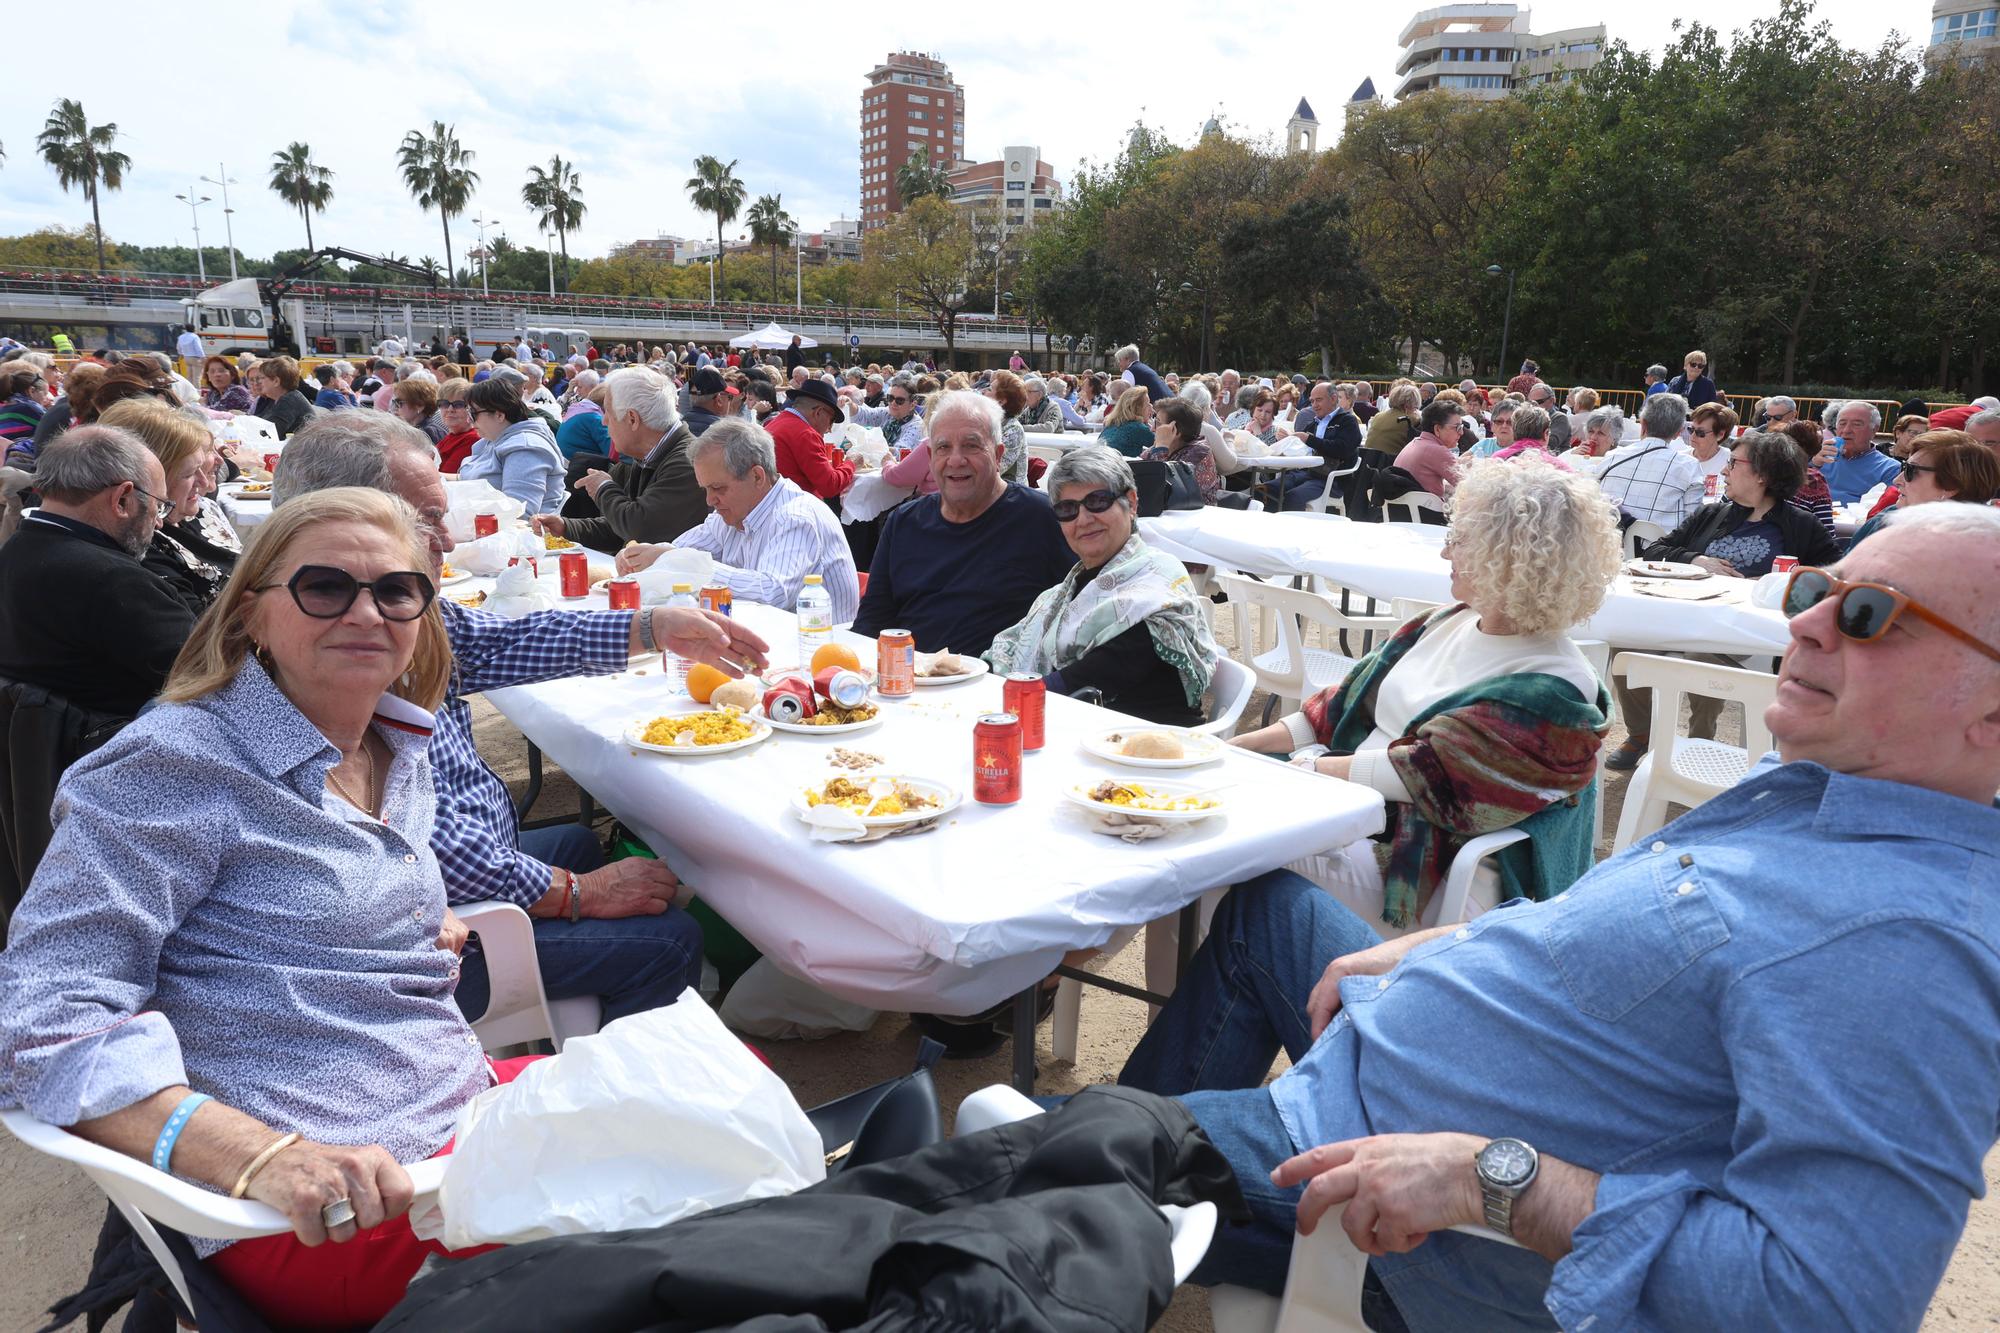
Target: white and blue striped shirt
[[789, 535]]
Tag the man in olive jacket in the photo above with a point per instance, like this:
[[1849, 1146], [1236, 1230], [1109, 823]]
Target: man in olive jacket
[[650, 494]]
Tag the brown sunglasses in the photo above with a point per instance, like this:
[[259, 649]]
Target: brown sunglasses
[[1865, 611]]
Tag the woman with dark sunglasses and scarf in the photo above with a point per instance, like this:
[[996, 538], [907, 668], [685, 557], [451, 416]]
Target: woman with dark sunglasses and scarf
[[1125, 622]]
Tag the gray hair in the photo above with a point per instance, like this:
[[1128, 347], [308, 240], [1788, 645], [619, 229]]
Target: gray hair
[[1197, 393], [873, 379], [1612, 417], [1246, 397], [87, 460], [1093, 465], [162, 360], [1238, 374], [1779, 401], [1531, 420], [1660, 417], [965, 403], [584, 381], [344, 369], [1129, 352], [1506, 407], [1037, 383], [510, 377], [532, 372], [1829, 415], [408, 366], [1874, 414], [744, 444], [344, 449], [1990, 416], [647, 392], [1658, 372]]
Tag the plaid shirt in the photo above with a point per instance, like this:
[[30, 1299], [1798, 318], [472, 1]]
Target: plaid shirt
[[1652, 480], [476, 837]]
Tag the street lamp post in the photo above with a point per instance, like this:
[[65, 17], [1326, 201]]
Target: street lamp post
[[798, 272], [194, 206], [481, 223], [223, 179], [1507, 319], [549, 251]]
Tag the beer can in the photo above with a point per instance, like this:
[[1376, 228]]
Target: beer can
[[790, 700], [575, 567], [485, 525], [1711, 485], [271, 464], [996, 759], [1025, 695], [624, 594], [1784, 564], [896, 663], [534, 566], [717, 597], [847, 688]]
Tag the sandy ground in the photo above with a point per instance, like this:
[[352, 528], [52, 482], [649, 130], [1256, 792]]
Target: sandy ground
[[49, 1214]]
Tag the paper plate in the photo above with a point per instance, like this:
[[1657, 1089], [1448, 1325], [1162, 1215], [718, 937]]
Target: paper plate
[[1080, 794], [1201, 749], [979, 668], [946, 796], [1665, 569], [459, 576], [635, 733], [807, 729]]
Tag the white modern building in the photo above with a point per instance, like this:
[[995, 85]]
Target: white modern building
[[1964, 30], [1487, 51]]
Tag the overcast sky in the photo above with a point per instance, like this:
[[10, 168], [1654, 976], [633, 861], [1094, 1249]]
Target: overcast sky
[[633, 92]]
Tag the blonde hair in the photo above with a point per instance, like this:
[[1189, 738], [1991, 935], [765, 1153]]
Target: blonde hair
[[172, 435], [1539, 544], [1583, 399], [1131, 406], [1405, 397], [214, 653]]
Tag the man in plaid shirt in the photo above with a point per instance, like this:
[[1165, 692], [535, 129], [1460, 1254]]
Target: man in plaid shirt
[[1654, 479], [606, 931]]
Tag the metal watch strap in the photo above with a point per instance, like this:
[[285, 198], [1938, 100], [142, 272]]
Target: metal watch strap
[[575, 897], [646, 639], [1499, 1209]]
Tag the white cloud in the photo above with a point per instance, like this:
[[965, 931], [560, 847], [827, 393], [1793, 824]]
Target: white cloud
[[633, 92]]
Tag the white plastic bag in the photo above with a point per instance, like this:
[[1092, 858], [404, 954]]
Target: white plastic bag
[[518, 592], [464, 499], [660, 1116], [489, 555], [768, 1002], [680, 565]]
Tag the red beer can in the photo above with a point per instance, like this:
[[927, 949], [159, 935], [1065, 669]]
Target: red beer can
[[996, 759], [896, 663], [847, 688], [1784, 564], [271, 464], [624, 594], [485, 525], [1711, 485], [717, 597], [534, 566], [575, 567], [1025, 695]]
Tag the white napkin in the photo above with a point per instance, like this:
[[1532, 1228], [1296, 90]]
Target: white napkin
[[1128, 827], [518, 592], [834, 823]]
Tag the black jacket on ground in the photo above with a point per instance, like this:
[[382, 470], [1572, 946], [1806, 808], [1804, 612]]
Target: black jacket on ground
[[645, 501], [974, 1233], [1800, 531], [85, 620]]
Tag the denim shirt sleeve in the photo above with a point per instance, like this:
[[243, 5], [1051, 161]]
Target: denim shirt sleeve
[[493, 652], [1851, 1161]]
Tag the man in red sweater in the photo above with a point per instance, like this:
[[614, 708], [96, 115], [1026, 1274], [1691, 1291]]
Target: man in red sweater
[[800, 433]]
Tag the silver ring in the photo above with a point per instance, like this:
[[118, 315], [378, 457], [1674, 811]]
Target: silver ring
[[337, 1214]]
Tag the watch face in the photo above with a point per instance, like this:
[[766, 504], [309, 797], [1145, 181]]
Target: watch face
[[1506, 1162]]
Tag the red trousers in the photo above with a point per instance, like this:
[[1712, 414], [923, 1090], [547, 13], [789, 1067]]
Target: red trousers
[[332, 1286]]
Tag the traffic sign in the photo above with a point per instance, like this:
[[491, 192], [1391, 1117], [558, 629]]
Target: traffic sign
[[854, 340]]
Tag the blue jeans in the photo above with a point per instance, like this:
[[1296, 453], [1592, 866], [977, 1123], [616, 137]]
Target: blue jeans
[[1241, 1000], [1297, 489], [631, 964]]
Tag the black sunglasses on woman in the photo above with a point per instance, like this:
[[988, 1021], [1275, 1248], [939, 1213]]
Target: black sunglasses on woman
[[326, 593]]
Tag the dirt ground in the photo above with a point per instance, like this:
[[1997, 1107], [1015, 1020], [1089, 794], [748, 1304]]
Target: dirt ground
[[49, 1214]]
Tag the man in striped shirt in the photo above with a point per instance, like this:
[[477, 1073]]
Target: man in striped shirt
[[765, 533]]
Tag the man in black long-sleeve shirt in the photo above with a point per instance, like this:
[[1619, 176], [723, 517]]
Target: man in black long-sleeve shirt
[[79, 615], [958, 567]]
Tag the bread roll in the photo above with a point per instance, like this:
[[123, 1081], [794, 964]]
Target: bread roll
[[743, 694], [1153, 745]]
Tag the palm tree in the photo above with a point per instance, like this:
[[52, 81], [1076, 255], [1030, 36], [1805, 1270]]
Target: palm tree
[[917, 177], [771, 225], [81, 154], [437, 170], [714, 189], [556, 195], [302, 183]]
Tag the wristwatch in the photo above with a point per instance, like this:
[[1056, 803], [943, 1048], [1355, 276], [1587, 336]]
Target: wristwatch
[[1506, 1168]]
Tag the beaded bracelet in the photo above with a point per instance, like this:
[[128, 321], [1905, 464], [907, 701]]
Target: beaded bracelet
[[170, 1133]]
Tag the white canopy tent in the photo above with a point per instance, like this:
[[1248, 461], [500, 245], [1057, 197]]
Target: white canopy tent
[[773, 337]]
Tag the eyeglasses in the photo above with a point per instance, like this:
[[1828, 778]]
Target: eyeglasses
[[326, 593], [1910, 470], [161, 507], [454, 407], [1865, 611], [899, 398], [1096, 502], [1700, 433]]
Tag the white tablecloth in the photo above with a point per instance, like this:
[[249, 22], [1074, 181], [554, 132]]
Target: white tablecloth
[[1385, 560], [1066, 440], [244, 514], [953, 920], [1273, 463]]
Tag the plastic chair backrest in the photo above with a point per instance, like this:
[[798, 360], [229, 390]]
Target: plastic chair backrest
[[518, 1010], [1231, 689], [1411, 506], [1671, 677], [1639, 535]]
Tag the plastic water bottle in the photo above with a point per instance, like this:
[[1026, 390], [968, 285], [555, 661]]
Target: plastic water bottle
[[676, 665], [815, 619]]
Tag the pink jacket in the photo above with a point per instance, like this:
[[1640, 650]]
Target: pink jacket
[[914, 469]]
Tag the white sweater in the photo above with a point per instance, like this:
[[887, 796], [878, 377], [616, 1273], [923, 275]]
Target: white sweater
[[1451, 656]]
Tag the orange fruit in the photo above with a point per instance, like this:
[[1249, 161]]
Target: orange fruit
[[702, 681], [835, 654]]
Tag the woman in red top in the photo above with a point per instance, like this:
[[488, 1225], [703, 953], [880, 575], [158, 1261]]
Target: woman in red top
[[456, 414]]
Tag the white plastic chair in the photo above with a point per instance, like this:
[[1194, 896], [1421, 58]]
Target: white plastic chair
[[1288, 669], [519, 1011], [1640, 535], [1413, 505], [1231, 689], [1193, 1225], [1693, 770], [141, 1193], [1329, 499]]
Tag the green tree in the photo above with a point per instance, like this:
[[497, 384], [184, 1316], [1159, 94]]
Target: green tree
[[437, 171], [715, 189], [771, 226], [919, 177], [556, 195], [302, 183], [921, 257], [55, 248], [1299, 276], [81, 154]]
